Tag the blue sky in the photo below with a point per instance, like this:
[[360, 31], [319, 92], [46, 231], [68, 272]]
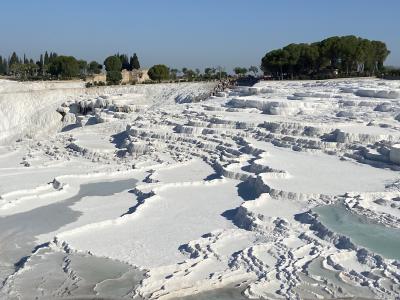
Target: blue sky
[[190, 33]]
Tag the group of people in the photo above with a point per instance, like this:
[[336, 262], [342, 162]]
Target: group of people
[[222, 85]]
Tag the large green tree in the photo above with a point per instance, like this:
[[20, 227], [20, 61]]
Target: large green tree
[[292, 58], [64, 67], [113, 67], [275, 62], [113, 63], [83, 66], [159, 72], [350, 55], [94, 67]]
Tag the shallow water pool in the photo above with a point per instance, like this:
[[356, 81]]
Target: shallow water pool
[[363, 232]]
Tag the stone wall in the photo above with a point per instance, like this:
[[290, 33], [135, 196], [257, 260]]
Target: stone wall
[[97, 78], [126, 77], [137, 76], [140, 76]]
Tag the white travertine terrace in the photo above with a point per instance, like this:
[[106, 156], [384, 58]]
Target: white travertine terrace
[[162, 191]]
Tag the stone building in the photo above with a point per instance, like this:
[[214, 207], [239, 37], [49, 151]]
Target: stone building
[[137, 76]]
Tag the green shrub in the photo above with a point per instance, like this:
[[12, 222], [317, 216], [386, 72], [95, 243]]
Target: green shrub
[[113, 77]]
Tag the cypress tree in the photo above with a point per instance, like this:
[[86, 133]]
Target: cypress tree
[[13, 59], [6, 65], [134, 62], [130, 63], [124, 60], [2, 66], [46, 58]]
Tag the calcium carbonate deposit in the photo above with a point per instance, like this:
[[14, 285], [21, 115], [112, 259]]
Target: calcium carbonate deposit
[[284, 190]]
